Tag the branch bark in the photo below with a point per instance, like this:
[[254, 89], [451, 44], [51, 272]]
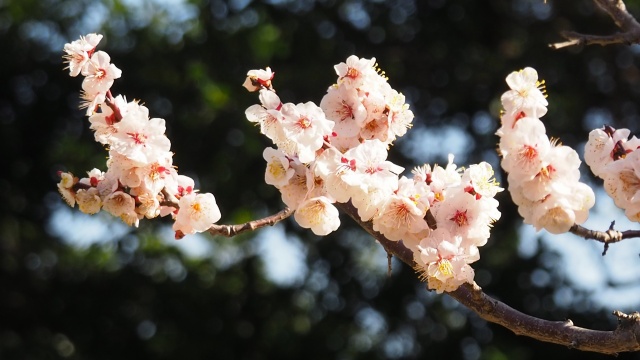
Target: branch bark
[[233, 230], [626, 337], [606, 237], [617, 10]]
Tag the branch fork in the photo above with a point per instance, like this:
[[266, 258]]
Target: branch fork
[[617, 10]]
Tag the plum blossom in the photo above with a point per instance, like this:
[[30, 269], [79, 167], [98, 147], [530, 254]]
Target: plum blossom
[[79, 52], [279, 169], [306, 126], [197, 213], [355, 71], [89, 201], [139, 138], [65, 187], [258, 79], [443, 262], [319, 215], [526, 93], [99, 73]]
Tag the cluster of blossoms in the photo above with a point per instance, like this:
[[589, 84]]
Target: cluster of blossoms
[[140, 180], [614, 157], [544, 176], [337, 152]]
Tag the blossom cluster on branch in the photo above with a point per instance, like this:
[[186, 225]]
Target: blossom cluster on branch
[[337, 152], [615, 158], [544, 176], [140, 181]]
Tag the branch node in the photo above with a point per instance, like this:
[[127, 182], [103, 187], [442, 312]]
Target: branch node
[[625, 320]]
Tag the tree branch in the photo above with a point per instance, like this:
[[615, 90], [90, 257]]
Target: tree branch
[[626, 337], [617, 10], [606, 237], [233, 230]]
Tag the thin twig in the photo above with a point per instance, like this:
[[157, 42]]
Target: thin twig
[[616, 9], [606, 237], [233, 230]]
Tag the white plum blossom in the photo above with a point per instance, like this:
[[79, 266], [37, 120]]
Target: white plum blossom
[[102, 123], [258, 79], [607, 145], [526, 93], [442, 261], [319, 215], [197, 213], [279, 169], [79, 52], [65, 187], [99, 73], [344, 107], [119, 203], [140, 138], [268, 116], [355, 71], [524, 148], [89, 201], [306, 126], [403, 212]]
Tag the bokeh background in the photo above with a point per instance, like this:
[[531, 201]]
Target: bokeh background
[[87, 287]]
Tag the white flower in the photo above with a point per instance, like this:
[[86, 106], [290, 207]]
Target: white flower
[[524, 149], [99, 73], [607, 145], [482, 180], [79, 51], [332, 166], [103, 121], [296, 190], [319, 215], [525, 93], [403, 211], [258, 79], [65, 187], [268, 115], [400, 117], [140, 138], [197, 213], [306, 126], [443, 262], [372, 170], [279, 170], [343, 106], [89, 201], [355, 71], [119, 203]]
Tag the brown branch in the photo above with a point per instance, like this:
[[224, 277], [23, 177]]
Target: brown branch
[[233, 230], [606, 237], [617, 10], [626, 337]]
